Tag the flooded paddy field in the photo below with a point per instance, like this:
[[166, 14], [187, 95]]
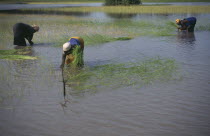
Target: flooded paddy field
[[141, 76]]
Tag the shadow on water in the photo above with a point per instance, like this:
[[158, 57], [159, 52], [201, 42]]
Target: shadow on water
[[24, 50], [43, 44], [120, 15], [186, 38]]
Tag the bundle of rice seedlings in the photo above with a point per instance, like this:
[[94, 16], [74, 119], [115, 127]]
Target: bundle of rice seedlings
[[170, 23], [17, 54], [77, 53]]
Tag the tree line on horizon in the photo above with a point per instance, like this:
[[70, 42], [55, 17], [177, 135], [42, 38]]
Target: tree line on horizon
[[122, 2]]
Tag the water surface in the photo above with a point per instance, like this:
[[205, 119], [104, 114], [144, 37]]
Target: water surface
[[29, 6], [32, 97]]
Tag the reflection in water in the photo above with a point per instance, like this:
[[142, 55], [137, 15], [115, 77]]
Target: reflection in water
[[186, 38], [24, 50], [41, 11], [172, 108], [106, 16], [43, 44], [120, 15]]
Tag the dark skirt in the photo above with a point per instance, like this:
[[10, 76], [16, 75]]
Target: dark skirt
[[20, 41]]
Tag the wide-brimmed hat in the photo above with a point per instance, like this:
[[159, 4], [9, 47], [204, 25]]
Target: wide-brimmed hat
[[66, 46]]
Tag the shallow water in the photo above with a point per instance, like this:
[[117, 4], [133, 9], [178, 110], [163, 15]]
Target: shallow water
[[105, 17], [32, 97]]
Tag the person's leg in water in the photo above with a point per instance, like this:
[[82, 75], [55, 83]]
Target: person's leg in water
[[191, 28], [20, 41]]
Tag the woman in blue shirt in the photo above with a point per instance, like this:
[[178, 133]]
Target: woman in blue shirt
[[68, 47], [186, 24]]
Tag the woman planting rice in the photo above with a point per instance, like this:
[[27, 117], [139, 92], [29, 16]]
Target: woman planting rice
[[73, 52], [23, 31], [186, 24]]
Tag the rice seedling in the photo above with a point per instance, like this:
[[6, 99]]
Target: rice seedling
[[123, 38], [57, 29], [163, 9], [173, 24], [77, 54], [17, 57], [94, 39], [16, 54], [121, 75], [203, 27]]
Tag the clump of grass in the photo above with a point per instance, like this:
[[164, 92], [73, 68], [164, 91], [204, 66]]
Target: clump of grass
[[16, 54], [7, 52], [122, 75], [164, 32], [94, 39], [123, 38], [170, 23], [203, 27], [55, 29], [17, 57]]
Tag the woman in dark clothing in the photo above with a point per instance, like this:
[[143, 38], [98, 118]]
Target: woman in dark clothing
[[186, 24], [22, 31]]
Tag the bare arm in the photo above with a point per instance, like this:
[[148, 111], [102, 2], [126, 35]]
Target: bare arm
[[63, 60], [183, 25], [29, 38]]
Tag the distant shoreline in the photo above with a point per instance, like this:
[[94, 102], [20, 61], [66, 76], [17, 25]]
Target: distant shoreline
[[84, 1]]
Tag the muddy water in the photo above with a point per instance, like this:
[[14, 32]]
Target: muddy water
[[32, 97], [172, 108]]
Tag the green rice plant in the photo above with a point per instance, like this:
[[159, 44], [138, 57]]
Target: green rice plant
[[203, 27], [16, 54], [78, 57], [173, 24], [163, 32], [123, 38], [7, 52], [122, 2], [94, 39], [56, 29], [17, 57], [121, 75], [163, 9]]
